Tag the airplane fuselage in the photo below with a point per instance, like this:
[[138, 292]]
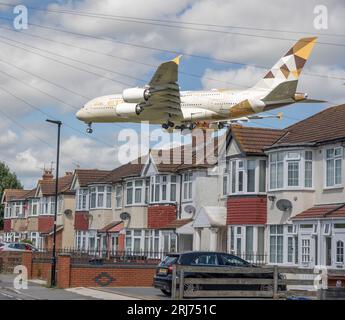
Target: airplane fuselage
[[213, 105]]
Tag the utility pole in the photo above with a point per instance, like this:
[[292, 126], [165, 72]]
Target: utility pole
[[53, 269]]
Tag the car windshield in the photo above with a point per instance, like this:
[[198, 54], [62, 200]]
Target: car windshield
[[169, 260]]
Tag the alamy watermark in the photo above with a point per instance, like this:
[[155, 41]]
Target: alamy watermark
[[20, 282], [321, 17], [21, 20]]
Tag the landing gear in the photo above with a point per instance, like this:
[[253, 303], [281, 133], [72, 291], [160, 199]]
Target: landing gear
[[168, 125], [89, 129], [221, 126]]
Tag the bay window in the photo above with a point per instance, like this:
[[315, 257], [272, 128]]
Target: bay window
[[34, 207], [100, 197], [163, 188], [82, 199], [276, 243], [47, 205], [340, 251], [188, 186], [8, 210], [291, 169], [334, 158], [308, 169], [135, 192], [247, 176], [118, 197]]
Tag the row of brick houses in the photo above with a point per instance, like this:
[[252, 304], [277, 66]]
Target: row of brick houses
[[276, 195]]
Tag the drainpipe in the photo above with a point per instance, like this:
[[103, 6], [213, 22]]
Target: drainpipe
[[180, 199]]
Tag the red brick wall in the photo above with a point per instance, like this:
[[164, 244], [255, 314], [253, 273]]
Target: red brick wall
[[63, 271], [159, 216], [247, 210], [48, 241], [122, 276], [7, 225], [41, 270], [81, 221], [45, 223]]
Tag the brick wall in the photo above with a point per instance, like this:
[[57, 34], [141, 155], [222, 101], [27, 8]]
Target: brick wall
[[7, 225], [81, 221], [48, 241], [9, 260], [114, 276], [247, 210], [45, 223], [159, 216]]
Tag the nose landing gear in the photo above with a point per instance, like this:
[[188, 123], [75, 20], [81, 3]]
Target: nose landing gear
[[89, 128], [168, 125]]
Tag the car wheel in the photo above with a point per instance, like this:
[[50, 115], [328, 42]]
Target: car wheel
[[192, 287], [165, 292]]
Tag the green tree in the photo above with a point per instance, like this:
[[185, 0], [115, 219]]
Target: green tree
[[8, 180]]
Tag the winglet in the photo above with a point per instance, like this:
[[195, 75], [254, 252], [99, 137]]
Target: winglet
[[177, 59]]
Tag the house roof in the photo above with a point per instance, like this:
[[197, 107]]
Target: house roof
[[114, 226], [253, 140], [87, 176], [48, 186], [210, 216], [178, 223], [322, 211], [325, 126], [16, 194]]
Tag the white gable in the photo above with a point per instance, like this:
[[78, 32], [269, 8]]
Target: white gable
[[233, 148], [210, 216]]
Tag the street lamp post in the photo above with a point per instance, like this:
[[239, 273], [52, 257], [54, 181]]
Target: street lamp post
[[53, 269]]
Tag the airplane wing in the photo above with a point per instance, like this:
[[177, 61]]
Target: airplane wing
[[164, 89]]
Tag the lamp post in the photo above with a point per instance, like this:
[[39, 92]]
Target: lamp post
[[53, 269]]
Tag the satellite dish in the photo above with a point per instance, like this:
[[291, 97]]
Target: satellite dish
[[284, 205], [125, 216], [68, 212], [189, 209]]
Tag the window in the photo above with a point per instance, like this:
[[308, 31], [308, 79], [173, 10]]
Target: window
[[308, 169], [82, 199], [251, 175], [340, 252], [261, 242], [206, 259], [290, 249], [293, 173], [60, 204], [240, 176], [81, 238], [276, 170], [187, 185], [230, 260], [173, 188], [225, 185], [138, 191], [262, 176], [100, 197], [233, 177], [305, 250], [249, 240], [118, 196], [47, 205], [8, 210], [276, 243], [129, 193], [163, 188], [333, 166], [36, 240], [18, 209]]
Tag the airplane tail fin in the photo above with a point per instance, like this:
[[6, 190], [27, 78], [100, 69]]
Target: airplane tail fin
[[281, 80]]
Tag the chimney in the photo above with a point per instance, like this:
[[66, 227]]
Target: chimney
[[47, 174]]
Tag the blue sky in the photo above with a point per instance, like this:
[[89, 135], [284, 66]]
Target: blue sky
[[24, 152]]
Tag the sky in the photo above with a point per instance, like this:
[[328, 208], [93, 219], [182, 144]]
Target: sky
[[47, 73]]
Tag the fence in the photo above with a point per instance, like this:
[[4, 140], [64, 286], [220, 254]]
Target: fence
[[103, 257], [258, 282]]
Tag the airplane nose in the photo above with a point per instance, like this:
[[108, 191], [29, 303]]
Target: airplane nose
[[80, 114]]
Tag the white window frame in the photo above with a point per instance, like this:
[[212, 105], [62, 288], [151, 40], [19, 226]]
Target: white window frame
[[335, 158], [306, 250], [337, 254], [34, 203], [96, 192], [187, 184], [156, 187], [276, 236], [118, 196], [133, 186], [82, 199]]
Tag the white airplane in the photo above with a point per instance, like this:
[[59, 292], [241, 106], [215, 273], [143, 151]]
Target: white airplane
[[162, 102]]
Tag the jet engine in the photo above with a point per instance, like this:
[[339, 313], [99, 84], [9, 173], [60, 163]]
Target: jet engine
[[135, 95], [128, 109]]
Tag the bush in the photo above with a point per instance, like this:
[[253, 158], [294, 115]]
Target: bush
[[26, 241]]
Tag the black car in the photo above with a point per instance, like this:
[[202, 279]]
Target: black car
[[163, 277]]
